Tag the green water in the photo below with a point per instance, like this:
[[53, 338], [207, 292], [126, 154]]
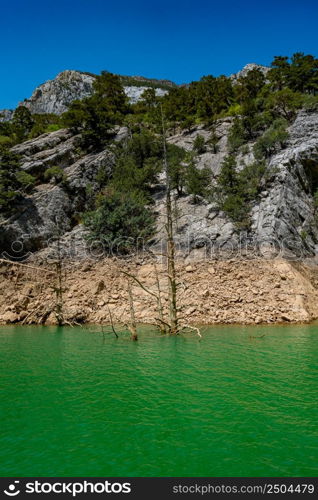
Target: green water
[[73, 404]]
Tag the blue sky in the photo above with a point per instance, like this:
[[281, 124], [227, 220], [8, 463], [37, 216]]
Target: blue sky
[[178, 40]]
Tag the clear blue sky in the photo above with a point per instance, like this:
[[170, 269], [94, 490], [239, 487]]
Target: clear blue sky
[[178, 39]]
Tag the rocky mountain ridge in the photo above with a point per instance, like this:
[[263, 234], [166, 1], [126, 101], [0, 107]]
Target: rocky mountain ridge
[[55, 96], [249, 67]]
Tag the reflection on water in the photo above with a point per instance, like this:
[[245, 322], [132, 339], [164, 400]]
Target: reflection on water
[[73, 404]]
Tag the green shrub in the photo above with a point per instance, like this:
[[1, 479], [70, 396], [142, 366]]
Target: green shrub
[[234, 110], [237, 209], [53, 127], [95, 116], [9, 184], [310, 102], [121, 221], [56, 173], [188, 123], [197, 182], [22, 123], [315, 196], [236, 190], [284, 103], [213, 141], [138, 163], [303, 234], [199, 144], [237, 136], [177, 165], [5, 140], [273, 139], [26, 180]]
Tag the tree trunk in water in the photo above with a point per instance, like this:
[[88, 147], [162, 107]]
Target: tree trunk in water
[[59, 288], [132, 326], [171, 270]]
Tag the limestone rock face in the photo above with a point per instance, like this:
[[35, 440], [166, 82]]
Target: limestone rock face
[[34, 224], [282, 216], [249, 67], [54, 96], [51, 208], [285, 212], [54, 149], [134, 93]]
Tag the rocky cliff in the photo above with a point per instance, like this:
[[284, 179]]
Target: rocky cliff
[[283, 216]]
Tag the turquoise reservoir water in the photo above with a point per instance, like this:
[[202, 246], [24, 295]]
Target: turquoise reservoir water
[[73, 404]]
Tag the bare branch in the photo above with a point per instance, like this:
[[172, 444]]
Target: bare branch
[[111, 322], [139, 283], [190, 327]]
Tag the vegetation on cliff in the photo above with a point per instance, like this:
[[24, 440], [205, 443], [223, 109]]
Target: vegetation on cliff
[[261, 106]]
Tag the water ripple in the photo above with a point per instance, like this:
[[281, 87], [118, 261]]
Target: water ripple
[[73, 404]]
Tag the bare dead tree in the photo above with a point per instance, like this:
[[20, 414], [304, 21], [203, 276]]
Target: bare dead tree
[[171, 268], [112, 322], [173, 324], [132, 326], [162, 324], [59, 285]]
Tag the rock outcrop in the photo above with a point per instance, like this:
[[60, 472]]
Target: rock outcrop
[[51, 208], [6, 115], [249, 67], [55, 96], [285, 214]]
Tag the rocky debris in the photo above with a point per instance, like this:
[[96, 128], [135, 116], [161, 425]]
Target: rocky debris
[[237, 291]]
